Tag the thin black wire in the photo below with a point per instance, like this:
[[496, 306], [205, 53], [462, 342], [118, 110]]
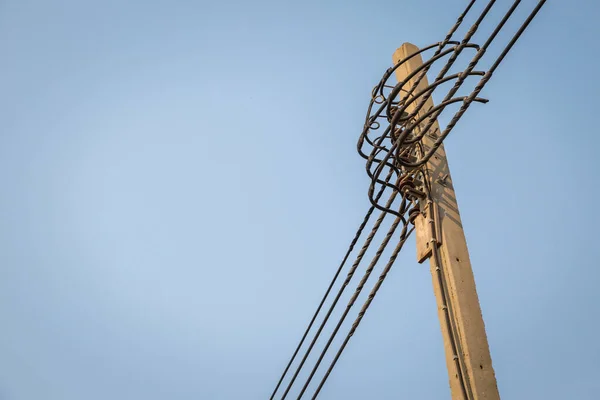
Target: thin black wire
[[457, 85], [341, 290], [446, 40], [457, 50], [455, 55], [468, 101], [335, 277], [389, 72], [404, 236], [352, 300]]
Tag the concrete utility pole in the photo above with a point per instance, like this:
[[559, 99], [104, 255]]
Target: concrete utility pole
[[440, 238]]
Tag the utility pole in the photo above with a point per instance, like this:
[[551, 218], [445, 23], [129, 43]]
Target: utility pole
[[440, 237]]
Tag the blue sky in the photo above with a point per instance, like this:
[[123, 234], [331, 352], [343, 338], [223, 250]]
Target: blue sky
[[180, 181]]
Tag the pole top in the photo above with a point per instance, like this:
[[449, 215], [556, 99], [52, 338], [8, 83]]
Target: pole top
[[403, 51]]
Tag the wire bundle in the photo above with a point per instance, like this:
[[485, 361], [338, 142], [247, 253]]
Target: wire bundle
[[392, 143]]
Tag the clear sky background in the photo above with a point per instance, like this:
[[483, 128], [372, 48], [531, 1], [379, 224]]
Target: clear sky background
[[180, 180]]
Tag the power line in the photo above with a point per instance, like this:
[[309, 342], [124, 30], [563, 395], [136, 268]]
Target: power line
[[400, 150], [331, 284], [349, 276]]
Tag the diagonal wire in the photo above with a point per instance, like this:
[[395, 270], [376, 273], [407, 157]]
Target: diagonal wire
[[352, 300], [340, 292], [335, 277], [443, 44], [404, 236], [469, 100]]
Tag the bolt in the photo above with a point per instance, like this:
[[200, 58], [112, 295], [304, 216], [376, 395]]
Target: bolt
[[443, 180]]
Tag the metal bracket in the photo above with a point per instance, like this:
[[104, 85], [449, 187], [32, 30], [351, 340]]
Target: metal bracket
[[429, 215]]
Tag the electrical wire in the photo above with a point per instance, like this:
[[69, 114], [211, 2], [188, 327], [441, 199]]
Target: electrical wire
[[400, 151]]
